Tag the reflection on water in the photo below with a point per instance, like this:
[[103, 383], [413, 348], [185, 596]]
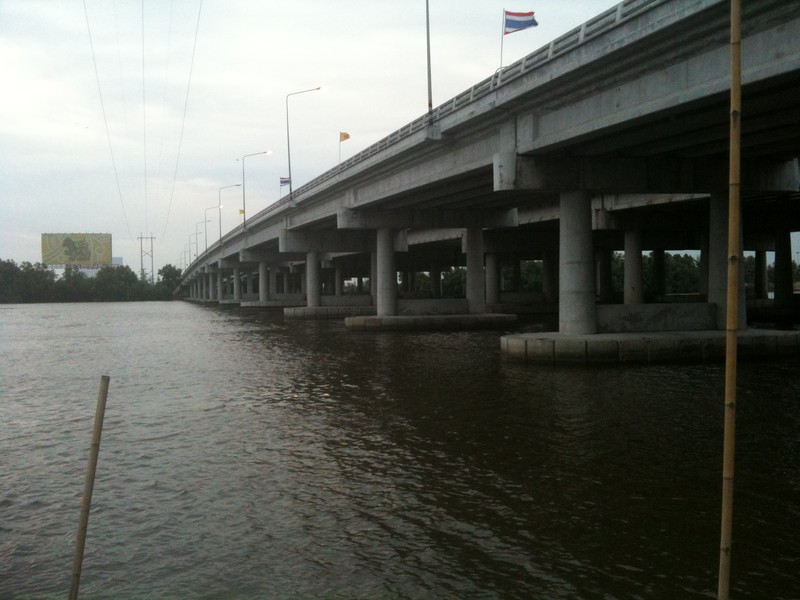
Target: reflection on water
[[246, 456]]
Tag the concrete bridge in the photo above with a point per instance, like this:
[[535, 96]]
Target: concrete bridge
[[613, 137]]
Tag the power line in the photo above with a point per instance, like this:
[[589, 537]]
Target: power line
[[183, 122], [105, 121], [144, 123]]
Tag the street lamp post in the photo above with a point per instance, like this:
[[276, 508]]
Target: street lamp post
[[196, 249], [205, 216], [219, 205], [197, 239], [244, 209], [288, 146]]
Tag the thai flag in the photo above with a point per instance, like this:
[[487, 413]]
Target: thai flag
[[516, 21], [285, 181]]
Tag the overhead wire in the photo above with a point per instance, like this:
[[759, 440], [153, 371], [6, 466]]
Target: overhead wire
[[105, 121], [144, 125], [183, 122]]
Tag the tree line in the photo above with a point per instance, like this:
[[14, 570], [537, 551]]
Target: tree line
[[35, 282]]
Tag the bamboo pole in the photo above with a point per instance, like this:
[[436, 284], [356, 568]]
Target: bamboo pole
[[732, 321], [86, 503]]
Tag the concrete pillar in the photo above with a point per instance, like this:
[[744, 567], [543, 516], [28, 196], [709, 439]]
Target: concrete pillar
[[251, 283], [206, 285], [476, 283], [263, 282], [373, 277], [338, 275], [605, 287], [784, 290], [386, 301], [577, 313], [220, 286], [492, 281], [237, 284], [761, 283], [313, 291], [718, 261], [634, 283], [285, 277], [272, 289], [660, 274]]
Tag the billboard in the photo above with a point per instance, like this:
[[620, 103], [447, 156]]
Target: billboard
[[76, 249]]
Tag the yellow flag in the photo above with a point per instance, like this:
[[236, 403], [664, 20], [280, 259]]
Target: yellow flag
[[343, 135], [241, 211]]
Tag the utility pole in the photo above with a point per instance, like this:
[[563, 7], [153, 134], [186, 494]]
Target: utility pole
[[144, 252]]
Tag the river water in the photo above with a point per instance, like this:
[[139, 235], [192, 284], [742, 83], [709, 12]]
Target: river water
[[245, 456]]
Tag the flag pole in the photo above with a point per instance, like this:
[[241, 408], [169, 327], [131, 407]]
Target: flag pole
[[502, 37], [430, 86], [732, 318]]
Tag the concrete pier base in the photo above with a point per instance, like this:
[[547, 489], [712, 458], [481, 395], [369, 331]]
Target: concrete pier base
[[664, 347], [431, 322]]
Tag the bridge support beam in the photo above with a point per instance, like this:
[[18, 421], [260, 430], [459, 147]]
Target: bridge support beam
[[761, 279], [492, 281], [312, 280], [783, 269], [237, 284], [476, 284], [386, 301], [718, 260], [263, 282], [577, 313], [634, 281]]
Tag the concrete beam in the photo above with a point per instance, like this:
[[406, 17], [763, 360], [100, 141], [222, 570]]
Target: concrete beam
[[426, 219], [343, 240], [636, 175]]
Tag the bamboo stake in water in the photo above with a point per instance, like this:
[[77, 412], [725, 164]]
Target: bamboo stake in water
[[732, 322], [87, 490]]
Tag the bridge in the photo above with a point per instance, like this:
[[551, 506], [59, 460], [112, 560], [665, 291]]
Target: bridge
[[612, 138]]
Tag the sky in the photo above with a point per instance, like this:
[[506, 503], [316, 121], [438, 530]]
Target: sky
[[128, 116]]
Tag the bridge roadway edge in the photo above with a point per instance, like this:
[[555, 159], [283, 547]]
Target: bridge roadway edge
[[553, 348]]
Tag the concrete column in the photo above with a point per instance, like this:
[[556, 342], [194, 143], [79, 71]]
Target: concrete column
[[313, 291], [205, 281], [373, 277], [338, 275], [237, 284], [761, 283], [605, 287], [263, 282], [660, 274], [718, 261], [273, 283], [386, 301], [492, 281], [634, 283], [476, 282], [784, 290], [220, 286], [577, 313]]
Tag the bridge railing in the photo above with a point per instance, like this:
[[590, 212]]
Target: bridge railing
[[602, 23]]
